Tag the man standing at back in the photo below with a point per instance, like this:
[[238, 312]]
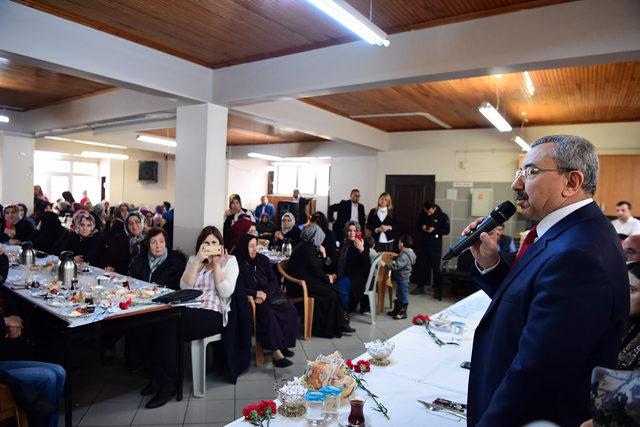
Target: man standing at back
[[265, 207], [560, 309], [432, 225], [348, 210]]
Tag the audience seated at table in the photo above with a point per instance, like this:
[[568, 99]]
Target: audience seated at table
[[244, 225], [49, 232], [288, 230], [353, 267], [224, 310], [307, 263], [277, 318], [381, 222], [156, 263], [15, 230], [232, 214], [329, 242], [629, 356], [122, 247], [86, 243], [266, 229]]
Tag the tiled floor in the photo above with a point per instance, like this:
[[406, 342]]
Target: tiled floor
[[109, 396]]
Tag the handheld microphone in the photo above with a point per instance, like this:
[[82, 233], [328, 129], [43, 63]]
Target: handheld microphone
[[500, 214]]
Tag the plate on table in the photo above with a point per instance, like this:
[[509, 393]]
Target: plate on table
[[38, 293], [78, 312]]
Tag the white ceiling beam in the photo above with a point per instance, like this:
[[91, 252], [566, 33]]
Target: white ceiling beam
[[316, 121], [106, 106], [61, 45], [568, 34]]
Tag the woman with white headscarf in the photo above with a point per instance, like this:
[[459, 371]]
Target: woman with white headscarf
[[84, 240], [288, 230], [306, 263]]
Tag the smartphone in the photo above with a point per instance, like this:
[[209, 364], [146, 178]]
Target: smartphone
[[213, 249], [359, 235], [465, 365], [453, 406], [8, 225]]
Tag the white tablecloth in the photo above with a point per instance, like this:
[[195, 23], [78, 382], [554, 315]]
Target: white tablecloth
[[18, 274], [419, 369]]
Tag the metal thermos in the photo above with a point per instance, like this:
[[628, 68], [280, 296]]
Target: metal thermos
[[287, 248], [67, 269], [27, 254]]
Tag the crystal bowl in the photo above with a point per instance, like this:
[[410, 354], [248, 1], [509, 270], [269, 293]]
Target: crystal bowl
[[378, 349]]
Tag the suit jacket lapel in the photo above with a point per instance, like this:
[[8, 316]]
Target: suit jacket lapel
[[575, 217]]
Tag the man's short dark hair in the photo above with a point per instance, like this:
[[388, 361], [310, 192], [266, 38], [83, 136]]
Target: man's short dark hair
[[354, 190], [166, 205], [429, 204], [624, 202], [406, 240]]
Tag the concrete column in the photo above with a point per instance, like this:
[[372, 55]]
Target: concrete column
[[16, 169], [201, 172]]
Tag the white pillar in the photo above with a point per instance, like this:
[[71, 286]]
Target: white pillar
[[201, 172], [16, 169]]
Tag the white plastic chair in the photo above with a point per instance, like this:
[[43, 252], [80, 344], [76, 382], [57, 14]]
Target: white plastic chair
[[371, 287], [199, 364]]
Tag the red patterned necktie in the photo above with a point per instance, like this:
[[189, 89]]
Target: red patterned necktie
[[526, 244]]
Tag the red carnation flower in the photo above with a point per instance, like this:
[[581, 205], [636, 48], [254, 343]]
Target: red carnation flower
[[251, 411], [362, 366], [349, 363], [420, 319], [266, 406]]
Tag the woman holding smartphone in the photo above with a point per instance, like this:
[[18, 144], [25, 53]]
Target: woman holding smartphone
[[353, 269], [15, 230]]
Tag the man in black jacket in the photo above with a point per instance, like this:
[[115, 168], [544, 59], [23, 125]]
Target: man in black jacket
[[432, 225], [348, 210]]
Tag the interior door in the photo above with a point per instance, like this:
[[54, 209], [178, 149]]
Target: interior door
[[409, 192]]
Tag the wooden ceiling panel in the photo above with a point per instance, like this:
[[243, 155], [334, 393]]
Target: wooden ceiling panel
[[218, 33], [24, 87], [590, 94], [242, 130]]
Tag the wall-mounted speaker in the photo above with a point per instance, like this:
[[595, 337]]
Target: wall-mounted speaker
[[148, 171]]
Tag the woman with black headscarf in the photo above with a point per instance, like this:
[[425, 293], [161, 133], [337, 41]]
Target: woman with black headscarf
[[84, 241], [306, 263], [49, 233], [277, 318], [122, 247]]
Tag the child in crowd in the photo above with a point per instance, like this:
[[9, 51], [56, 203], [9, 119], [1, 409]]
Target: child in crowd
[[401, 272]]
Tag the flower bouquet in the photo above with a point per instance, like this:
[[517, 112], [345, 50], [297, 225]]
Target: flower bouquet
[[258, 412]]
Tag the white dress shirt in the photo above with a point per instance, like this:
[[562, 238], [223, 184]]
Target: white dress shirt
[[630, 228], [354, 212], [546, 223]]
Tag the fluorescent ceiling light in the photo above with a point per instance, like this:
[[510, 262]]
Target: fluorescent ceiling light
[[417, 113], [494, 117], [522, 143], [48, 155], [80, 141], [157, 140], [4, 119], [290, 164], [529, 83], [265, 157], [345, 14], [99, 155]]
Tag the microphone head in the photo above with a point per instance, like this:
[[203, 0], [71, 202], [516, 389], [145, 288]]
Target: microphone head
[[503, 212]]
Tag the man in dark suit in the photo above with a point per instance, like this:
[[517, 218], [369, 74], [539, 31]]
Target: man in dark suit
[[348, 210], [560, 309]]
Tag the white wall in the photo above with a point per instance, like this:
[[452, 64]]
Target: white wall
[[348, 173], [16, 169], [248, 178], [122, 175]]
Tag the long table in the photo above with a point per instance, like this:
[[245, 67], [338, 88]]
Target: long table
[[419, 369], [68, 329]]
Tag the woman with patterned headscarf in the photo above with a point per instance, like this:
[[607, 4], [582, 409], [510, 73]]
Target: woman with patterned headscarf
[[242, 226], [306, 263], [122, 247], [83, 240]]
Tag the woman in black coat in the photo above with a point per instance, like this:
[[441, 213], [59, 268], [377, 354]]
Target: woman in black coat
[[156, 263], [122, 247], [277, 318], [50, 231], [329, 242], [84, 241], [353, 267], [382, 223], [306, 263], [15, 230], [288, 230]]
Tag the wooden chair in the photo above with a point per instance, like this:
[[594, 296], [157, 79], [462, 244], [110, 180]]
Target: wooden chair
[[9, 409], [305, 299], [259, 351], [384, 281]]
